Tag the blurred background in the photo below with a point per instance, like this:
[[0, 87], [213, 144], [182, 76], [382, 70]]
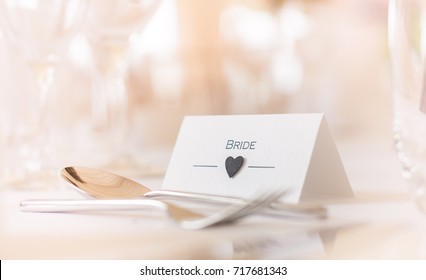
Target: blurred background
[[199, 57]]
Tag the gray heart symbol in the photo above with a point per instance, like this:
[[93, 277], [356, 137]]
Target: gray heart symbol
[[232, 165]]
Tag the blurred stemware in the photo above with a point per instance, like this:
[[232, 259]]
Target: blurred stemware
[[264, 60], [407, 37], [112, 27], [40, 32]]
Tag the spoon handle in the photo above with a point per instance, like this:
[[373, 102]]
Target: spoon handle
[[274, 208], [78, 205], [75, 205]]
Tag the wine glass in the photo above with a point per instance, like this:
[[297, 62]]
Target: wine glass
[[40, 31], [111, 28], [407, 45]]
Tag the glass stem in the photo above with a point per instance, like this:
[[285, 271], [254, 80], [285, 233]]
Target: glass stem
[[111, 74], [44, 74], [41, 147]]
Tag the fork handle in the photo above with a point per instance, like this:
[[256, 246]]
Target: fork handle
[[75, 205]]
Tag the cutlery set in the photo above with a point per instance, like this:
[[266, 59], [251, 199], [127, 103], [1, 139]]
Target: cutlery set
[[110, 191]]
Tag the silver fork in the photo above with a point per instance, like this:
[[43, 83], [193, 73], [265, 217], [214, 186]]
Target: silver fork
[[185, 218]]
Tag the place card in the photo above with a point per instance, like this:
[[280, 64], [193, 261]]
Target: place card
[[236, 155]]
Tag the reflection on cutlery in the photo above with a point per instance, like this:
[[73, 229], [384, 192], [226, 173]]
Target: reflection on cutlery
[[106, 185], [185, 218]]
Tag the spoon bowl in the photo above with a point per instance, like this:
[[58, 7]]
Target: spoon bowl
[[102, 184]]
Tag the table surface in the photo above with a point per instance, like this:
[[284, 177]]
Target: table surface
[[381, 222]]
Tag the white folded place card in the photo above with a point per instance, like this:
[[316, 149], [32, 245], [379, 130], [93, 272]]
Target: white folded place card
[[236, 155]]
